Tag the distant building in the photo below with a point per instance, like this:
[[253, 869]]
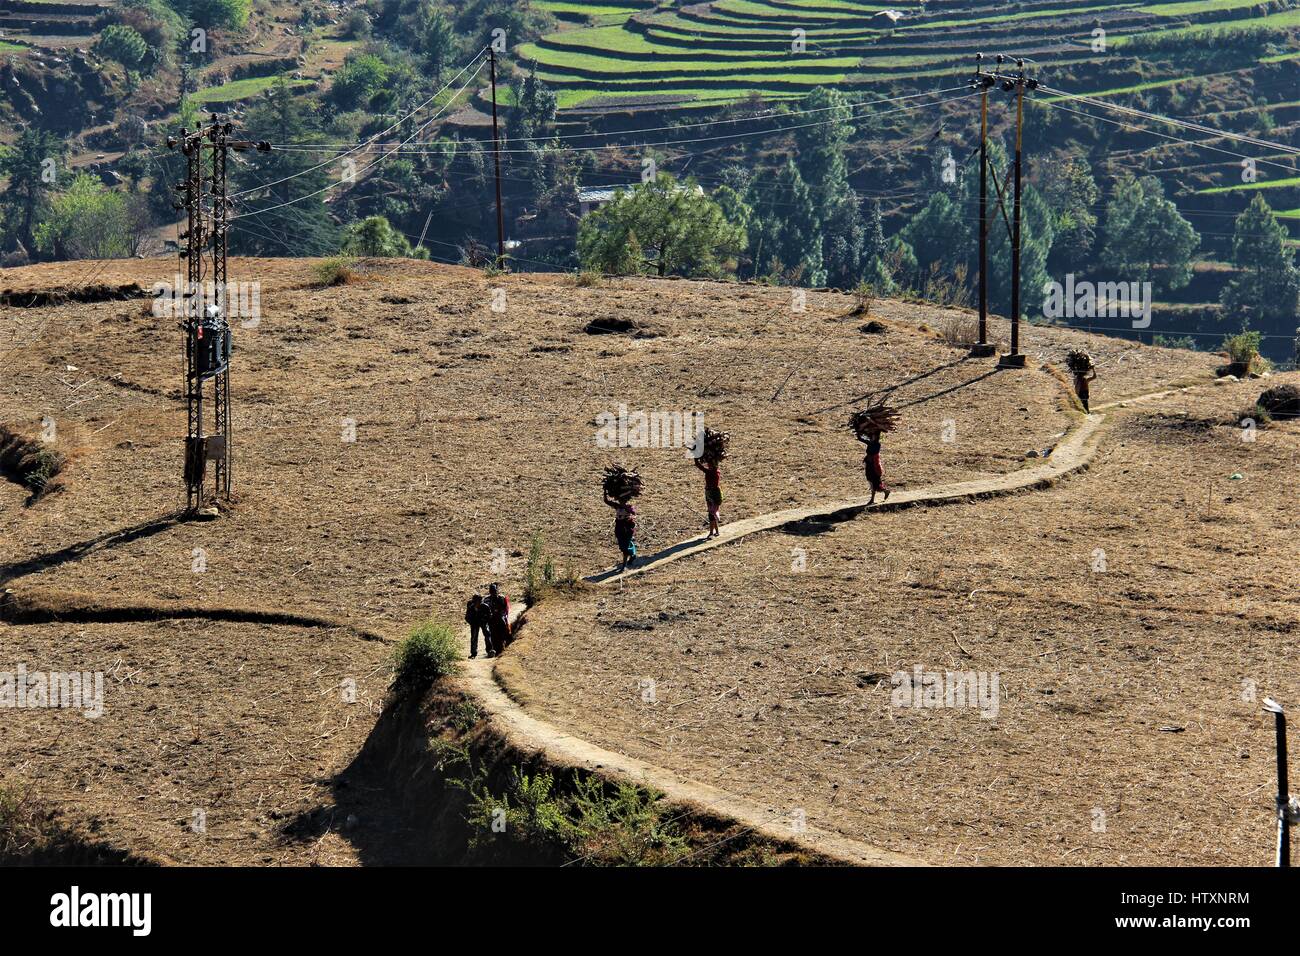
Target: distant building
[[886, 18], [589, 199], [594, 198]]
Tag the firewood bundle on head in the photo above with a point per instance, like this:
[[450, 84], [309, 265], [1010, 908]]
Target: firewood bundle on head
[[715, 446], [1080, 361], [875, 418], [621, 484]]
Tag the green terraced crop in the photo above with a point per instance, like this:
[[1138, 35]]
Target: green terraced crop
[[756, 79], [673, 21], [615, 65], [1274, 21], [753, 8], [1243, 187], [1006, 18], [613, 39], [1192, 7], [240, 89], [584, 9], [692, 99], [750, 39]]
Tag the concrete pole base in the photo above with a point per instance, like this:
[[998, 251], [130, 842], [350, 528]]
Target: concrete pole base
[[983, 350], [1012, 361]]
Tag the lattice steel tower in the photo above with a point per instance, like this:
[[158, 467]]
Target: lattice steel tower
[[205, 318]]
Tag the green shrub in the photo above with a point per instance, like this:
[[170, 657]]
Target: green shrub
[[596, 823], [1243, 347], [231, 14], [375, 237], [29, 462], [430, 652], [87, 221], [123, 44], [361, 78], [541, 577], [340, 270], [625, 827], [465, 716]]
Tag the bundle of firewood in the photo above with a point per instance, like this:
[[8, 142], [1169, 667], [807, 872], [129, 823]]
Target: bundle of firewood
[[1080, 361], [621, 484], [875, 418], [715, 446]]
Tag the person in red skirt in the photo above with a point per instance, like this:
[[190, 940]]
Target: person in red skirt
[[871, 464]]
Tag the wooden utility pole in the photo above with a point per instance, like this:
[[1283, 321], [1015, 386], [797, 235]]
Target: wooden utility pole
[[1017, 83], [983, 82], [496, 152], [1015, 225]]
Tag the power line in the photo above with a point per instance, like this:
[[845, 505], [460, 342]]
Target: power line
[[417, 132], [1176, 139], [774, 114], [394, 126], [1184, 124], [456, 145]]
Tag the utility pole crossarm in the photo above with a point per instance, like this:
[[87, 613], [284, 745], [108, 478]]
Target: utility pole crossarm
[[1018, 83]]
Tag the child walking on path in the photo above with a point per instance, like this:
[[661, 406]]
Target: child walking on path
[[712, 492], [624, 528]]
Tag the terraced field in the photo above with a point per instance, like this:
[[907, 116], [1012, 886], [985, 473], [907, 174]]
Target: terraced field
[[633, 53]]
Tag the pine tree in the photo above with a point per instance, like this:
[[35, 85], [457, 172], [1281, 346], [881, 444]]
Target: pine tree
[[1264, 294]]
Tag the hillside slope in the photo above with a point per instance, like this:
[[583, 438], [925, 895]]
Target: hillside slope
[[474, 429]]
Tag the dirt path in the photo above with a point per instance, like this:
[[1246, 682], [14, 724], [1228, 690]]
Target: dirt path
[[1072, 453]]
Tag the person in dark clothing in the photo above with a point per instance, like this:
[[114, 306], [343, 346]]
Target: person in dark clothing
[[871, 465], [712, 492], [476, 617], [498, 606]]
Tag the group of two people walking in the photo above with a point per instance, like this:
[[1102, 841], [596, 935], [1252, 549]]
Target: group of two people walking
[[491, 616], [625, 512]]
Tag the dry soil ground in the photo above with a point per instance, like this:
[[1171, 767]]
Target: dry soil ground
[[474, 428]]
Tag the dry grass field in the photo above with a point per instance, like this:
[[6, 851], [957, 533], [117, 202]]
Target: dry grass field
[[475, 429]]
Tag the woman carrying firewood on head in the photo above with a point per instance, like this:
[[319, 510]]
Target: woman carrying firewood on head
[[871, 465], [1085, 371], [868, 425], [710, 455], [620, 487]]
